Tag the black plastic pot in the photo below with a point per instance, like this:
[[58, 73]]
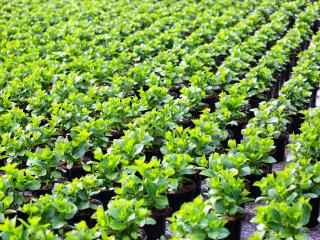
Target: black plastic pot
[[295, 123], [18, 214], [280, 144], [174, 94], [315, 27], [186, 194], [315, 204], [196, 112], [42, 191], [2, 163], [236, 129], [76, 171], [104, 196], [256, 100], [197, 179], [220, 58], [155, 231], [150, 152], [234, 227], [280, 77], [175, 90], [313, 100], [224, 143], [84, 215], [88, 156], [116, 134], [62, 133], [211, 100], [251, 179], [44, 121], [186, 123]]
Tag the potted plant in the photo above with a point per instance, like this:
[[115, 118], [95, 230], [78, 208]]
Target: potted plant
[[227, 195], [203, 139], [282, 220], [32, 229], [54, 210], [147, 181], [192, 98], [282, 187], [123, 219], [118, 112], [73, 152], [154, 97], [81, 193], [306, 144], [83, 232], [309, 179], [100, 133], [231, 112], [107, 168], [197, 220], [44, 165], [272, 118], [182, 189], [296, 180], [15, 182], [257, 152]]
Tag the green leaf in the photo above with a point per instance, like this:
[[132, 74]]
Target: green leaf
[[162, 202], [34, 185], [117, 225], [79, 151], [218, 233], [57, 223], [56, 174]]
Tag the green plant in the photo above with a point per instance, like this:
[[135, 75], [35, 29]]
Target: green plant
[[283, 187], [227, 193], [118, 112], [79, 191], [192, 96], [154, 97], [83, 232], [203, 139], [280, 220], [157, 123], [271, 118], [107, 167], [54, 210], [197, 220], [130, 146], [296, 180], [122, 219], [15, 182], [145, 181], [176, 167], [256, 150], [232, 104], [32, 229], [218, 162], [99, 131], [44, 163], [6, 201], [307, 143]]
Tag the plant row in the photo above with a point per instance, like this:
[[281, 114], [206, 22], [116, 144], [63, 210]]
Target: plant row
[[287, 193]]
